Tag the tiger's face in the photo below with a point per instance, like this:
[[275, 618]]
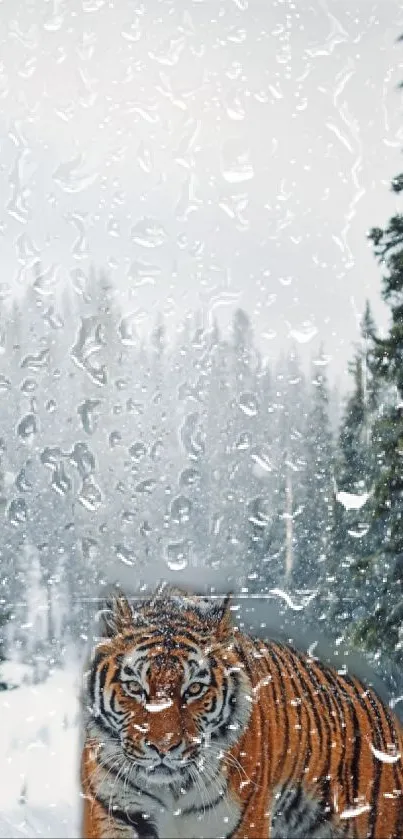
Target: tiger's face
[[166, 689]]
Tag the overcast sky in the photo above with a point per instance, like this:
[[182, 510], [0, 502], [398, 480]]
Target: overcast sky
[[213, 153]]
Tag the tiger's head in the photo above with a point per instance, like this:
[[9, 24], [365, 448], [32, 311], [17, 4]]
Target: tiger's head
[[166, 689]]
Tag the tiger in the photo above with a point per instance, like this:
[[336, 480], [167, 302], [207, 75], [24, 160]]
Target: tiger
[[192, 728]]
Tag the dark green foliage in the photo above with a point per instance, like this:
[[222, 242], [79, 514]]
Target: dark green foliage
[[316, 518], [381, 629]]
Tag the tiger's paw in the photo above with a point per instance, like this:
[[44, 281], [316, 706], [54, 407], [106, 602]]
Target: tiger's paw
[[295, 815]]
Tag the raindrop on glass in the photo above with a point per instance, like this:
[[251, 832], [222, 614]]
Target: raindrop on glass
[[177, 555], [27, 428], [180, 509], [17, 512], [249, 404]]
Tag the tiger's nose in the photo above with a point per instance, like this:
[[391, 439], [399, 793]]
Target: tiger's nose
[[163, 747]]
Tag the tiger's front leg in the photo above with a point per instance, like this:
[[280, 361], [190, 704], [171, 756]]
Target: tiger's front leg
[[100, 819], [99, 824]]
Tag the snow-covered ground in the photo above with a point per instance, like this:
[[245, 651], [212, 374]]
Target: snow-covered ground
[[39, 738]]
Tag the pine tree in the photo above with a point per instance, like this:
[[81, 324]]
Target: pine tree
[[354, 530], [317, 503], [383, 629], [288, 463]]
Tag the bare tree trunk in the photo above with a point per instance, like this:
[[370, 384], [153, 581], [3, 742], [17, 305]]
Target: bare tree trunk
[[289, 556], [49, 611]]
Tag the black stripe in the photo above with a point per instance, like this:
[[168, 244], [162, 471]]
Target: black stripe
[[394, 738], [283, 757], [103, 672], [110, 732], [329, 702], [338, 696], [144, 827], [93, 675], [360, 692], [204, 807], [286, 664], [220, 721]]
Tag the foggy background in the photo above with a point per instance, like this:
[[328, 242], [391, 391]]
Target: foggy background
[[207, 154]]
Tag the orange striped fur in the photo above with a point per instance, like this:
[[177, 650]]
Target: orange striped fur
[[194, 729]]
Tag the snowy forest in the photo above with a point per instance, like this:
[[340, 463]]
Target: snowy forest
[[196, 207], [120, 448]]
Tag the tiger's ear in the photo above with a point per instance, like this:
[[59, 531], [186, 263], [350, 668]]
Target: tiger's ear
[[222, 617], [116, 615]]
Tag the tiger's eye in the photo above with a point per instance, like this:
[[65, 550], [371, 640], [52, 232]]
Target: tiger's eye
[[134, 689], [195, 688]]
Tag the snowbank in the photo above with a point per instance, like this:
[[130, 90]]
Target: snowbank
[[39, 734]]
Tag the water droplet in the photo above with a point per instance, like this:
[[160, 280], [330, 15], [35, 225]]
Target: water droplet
[[180, 509], [90, 495], [45, 281], [93, 5], [72, 177], [234, 106], [146, 486], [216, 522], [27, 428], [303, 334], [234, 207], [125, 554], [142, 273], [113, 227], [23, 483], [169, 51], [156, 450], [128, 517], [145, 159], [17, 512], [236, 166], [83, 459], [244, 441], [50, 457], [249, 404], [261, 460], [87, 412], [80, 248], [52, 318], [25, 248], [5, 384], [115, 438], [177, 555], [89, 547], [18, 180], [148, 233], [79, 281], [133, 407], [132, 31], [191, 436], [36, 361], [145, 528], [189, 477], [137, 451], [190, 133], [127, 330], [61, 482], [90, 340]]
